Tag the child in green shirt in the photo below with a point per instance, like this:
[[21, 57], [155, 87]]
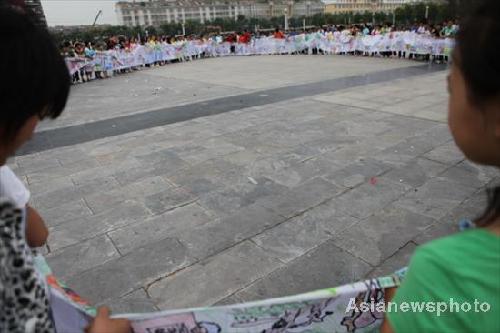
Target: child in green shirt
[[457, 279]]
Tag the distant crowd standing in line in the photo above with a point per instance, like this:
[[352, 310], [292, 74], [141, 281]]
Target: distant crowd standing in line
[[87, 50]]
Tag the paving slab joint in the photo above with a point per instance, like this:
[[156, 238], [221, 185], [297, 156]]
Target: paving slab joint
[[113, 243]]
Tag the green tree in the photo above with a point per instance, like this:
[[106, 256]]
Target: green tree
[[381, 17], [151, 30]]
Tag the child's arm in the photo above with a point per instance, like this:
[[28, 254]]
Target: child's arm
[[104, 324], [36, 231], [389, 295]]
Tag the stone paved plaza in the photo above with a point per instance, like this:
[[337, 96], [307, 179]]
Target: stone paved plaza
[[234, 179]]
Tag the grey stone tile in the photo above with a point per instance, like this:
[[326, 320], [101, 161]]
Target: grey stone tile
[[117, 169], [50, 174], [241, 193], [135, 302], [112, 158], [230, 300], [75, 259], [273, 167], [166, 225], [203, 177], [249, 192], [164, 162], [101, 201], [487, 173], [248, 138], [75, 231], [65, 212], [301, 198], [286, 135], [200, 186], [380, 236], [242, 158], [328, 144], [121, 276], [405, 151], [213, 279], [56, 198], [37, 163], [300, 234], [399, 260], [219, 145], [436, 197], [87, 186], [326, 266], [134, 173], [68, 156], [469, 174], [313, 149], [439, 229], [359, 127], [358, 173], [102, 171], [54, 194], [72, 167], [416, 172], [309, 169], [470, 209], [352, 153], [413, 127], [167, 200], [369, 198], [448, 153], [222, 202], [203, 151], [218, 235]]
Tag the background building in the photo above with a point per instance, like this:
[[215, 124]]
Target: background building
[[35, 6], [344, 6], [157, 12]]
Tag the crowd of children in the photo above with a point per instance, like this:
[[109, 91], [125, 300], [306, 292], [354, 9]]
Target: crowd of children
[[80, 52]]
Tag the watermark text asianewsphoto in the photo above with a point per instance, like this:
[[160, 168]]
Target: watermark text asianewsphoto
[[438, 308]]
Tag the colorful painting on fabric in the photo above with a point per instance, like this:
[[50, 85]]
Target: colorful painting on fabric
[[322, 311]]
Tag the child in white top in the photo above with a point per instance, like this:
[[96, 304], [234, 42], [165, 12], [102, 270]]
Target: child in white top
[[12, 187]]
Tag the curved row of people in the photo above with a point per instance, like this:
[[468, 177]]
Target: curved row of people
[[120, 54]]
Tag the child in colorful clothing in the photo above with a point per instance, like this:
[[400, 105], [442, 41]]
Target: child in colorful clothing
[[40, 90], [463, 270]]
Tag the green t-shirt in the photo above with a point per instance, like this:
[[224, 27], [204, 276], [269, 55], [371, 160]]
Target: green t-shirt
[[454, 270]]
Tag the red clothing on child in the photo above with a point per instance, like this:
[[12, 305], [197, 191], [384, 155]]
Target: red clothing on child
[[279, 35]]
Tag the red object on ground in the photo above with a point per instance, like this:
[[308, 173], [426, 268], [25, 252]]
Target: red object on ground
[[373, 181]]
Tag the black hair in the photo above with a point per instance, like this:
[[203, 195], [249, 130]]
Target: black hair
[[477, 56], [34, 76]]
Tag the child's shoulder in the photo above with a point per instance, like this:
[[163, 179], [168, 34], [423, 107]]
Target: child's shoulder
[[465, 239], [459, 249], [12, 187]]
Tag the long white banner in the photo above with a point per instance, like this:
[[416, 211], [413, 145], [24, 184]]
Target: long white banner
[[337, 43], [322, 311]]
